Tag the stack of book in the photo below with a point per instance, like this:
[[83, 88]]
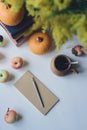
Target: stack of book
[[16, 33]]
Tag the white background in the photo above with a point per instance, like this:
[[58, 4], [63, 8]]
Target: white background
[[70, 113]]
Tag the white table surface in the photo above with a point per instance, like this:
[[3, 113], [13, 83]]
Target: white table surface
[[70, 113]]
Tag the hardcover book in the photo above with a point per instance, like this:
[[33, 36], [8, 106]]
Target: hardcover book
[[16, 33]]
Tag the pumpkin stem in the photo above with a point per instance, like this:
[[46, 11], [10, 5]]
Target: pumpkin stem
[[8, 6], [40, 39]]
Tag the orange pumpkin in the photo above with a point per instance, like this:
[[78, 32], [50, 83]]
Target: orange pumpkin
[[39, 43], [10, 18]]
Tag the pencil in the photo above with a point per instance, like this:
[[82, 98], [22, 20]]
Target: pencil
[[37, 92]]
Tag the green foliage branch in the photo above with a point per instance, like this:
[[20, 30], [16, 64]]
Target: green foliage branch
[[63, 18]]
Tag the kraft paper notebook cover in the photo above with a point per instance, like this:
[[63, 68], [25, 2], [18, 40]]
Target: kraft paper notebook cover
[[25, 86]]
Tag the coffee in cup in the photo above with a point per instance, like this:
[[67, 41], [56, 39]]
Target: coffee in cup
[[61, 65]]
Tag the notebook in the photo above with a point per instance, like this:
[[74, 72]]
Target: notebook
[[25, 86]]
